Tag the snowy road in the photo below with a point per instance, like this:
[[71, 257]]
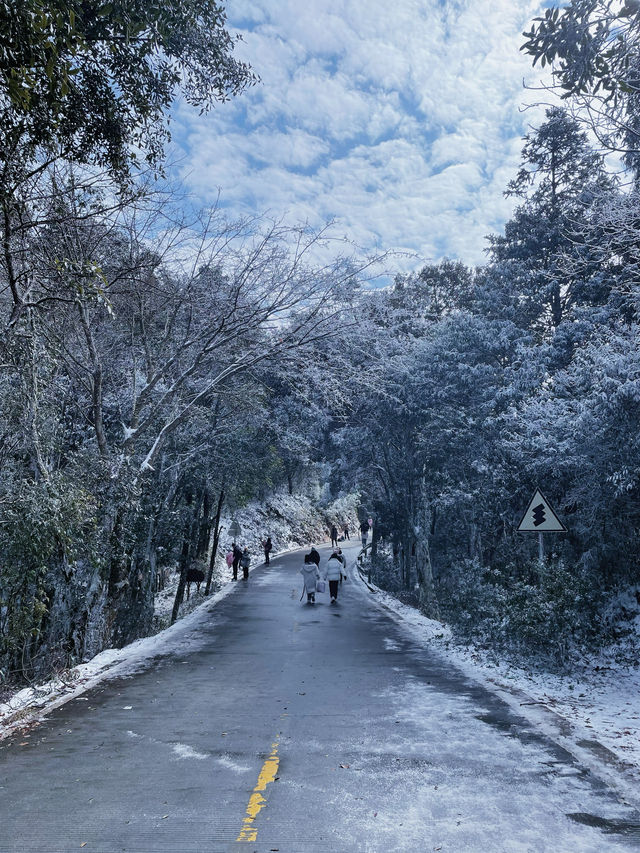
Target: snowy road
[[292, 728]]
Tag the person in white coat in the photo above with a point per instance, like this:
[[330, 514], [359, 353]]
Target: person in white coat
[[333, 573], [311, 575]]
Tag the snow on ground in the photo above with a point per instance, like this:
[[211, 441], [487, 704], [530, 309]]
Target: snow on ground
[[290, 520], [32, 703], [595, 713], [599, 706]]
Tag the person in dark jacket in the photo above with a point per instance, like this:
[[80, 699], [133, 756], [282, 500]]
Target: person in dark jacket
[[313, 555], [268, 548], [334, 536], [245, 562], [237, 556], [364, 531], [345, 530]]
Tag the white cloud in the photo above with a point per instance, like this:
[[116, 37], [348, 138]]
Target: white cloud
[[399, 120]]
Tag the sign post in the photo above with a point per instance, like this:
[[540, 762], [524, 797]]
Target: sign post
[[541, 546], [235, 530], [540, 518]]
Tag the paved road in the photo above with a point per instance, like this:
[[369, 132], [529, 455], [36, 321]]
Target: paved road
[[294, 728]]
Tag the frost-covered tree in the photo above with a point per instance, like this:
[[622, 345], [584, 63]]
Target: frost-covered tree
[[559, 180], [93, 82], [593, 47], [124, 381]]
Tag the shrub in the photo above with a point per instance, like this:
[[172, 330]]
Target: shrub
[[543, 610]]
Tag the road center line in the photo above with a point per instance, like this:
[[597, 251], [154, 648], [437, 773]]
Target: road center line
[[257, 802]]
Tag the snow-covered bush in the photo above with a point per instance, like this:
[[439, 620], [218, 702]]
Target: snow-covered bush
[[621, 625], [343, 510], [384, 572], [540, 610]]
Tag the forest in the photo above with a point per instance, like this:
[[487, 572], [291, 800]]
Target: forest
[[158, 365]]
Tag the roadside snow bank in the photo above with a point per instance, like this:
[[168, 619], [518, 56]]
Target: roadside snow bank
[[28, 706]]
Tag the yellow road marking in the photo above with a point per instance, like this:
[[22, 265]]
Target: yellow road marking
[[257, 802]]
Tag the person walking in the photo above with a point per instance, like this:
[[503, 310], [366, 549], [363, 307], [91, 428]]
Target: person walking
[[314, 555], [364, 531], [333, 573], [268, 548], [334, 536], [245, 562], [229, 557], [237, 556], [311, 576], [345, 530]]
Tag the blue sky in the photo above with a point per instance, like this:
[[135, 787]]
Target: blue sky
[[401, 121]]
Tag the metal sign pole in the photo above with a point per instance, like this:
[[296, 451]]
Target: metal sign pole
[[541, 546]]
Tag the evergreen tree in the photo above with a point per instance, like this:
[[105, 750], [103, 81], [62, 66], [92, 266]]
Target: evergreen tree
[[559, 180]]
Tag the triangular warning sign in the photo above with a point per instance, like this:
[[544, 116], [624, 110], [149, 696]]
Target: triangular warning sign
[[539, 516]]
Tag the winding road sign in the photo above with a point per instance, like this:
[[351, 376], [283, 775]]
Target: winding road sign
[[539, 517]]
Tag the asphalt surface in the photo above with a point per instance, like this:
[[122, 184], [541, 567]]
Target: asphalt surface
[[292, 728]]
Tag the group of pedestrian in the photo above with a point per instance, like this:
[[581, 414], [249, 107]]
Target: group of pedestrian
[[334, 534], [238, 557], [334, 572]]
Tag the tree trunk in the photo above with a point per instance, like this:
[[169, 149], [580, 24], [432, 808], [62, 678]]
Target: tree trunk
[[205, 526], [96, 383], [473, 537], [31, 384], [428, 600], [115, 552], [216, 539], [556, 306], [184, 557], [406, 563], [150, 551], [190, 528]]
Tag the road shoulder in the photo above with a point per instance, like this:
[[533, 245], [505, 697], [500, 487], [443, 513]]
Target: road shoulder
[[594, 715]]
